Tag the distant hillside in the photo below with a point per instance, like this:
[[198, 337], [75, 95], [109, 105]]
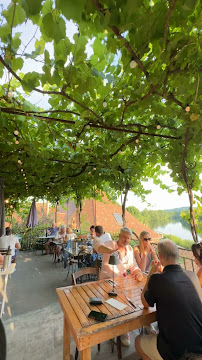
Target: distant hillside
[[177, 210]]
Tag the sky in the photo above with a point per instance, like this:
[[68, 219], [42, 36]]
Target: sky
[[158, 199]]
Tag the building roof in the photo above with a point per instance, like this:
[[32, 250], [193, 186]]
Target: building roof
[[107, 214]]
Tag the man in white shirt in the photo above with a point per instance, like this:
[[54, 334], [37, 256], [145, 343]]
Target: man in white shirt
[[125, 255], [103, 237], [12, 241]]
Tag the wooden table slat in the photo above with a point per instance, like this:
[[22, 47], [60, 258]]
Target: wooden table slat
[[87, 293], [77, 309]]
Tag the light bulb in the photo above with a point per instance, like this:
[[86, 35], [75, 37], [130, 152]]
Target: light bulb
[[94, 168], [21, 170], [11, 207], [19, 162], [137, 141], [16, 132], [133, 64], [24, 175], [100, 174], [17, 142], [187, 109], [158, 127], [104, 104]]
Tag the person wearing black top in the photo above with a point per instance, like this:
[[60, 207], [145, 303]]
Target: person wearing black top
[[177, 295], [2, 342]]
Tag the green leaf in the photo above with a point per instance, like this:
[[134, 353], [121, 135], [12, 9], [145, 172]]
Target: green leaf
[[32, 7], [1, 69], [98, 48], [71, 9], [17, 63], [54, 29], [19, 15], [40, 44], [30, 81]]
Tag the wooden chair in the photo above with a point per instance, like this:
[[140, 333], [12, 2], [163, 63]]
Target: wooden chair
[[3, 251], [85, 274]]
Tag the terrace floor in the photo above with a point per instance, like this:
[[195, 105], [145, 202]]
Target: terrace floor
[[35, 328]]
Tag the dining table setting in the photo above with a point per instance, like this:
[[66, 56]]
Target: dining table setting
[[91, 324]]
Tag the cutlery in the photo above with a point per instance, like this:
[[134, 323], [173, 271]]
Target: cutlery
[[136, 307]]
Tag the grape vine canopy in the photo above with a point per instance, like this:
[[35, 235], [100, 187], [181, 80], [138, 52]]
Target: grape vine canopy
[[122, 79]]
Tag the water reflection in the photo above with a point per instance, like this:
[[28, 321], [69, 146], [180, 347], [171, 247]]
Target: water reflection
[[176, 229]]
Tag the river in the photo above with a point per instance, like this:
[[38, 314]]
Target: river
[[176, 229]]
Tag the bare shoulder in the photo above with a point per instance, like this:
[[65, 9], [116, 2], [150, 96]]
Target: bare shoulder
[[136, 249]]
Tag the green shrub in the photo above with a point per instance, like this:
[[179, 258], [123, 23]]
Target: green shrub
[[186, 244]]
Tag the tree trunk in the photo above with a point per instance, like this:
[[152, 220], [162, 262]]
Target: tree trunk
[[189, 189], [124, 203]]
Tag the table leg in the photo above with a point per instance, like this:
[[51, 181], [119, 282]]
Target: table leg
[[66, 341], [85, 354]]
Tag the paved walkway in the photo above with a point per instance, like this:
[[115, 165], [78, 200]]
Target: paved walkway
[[35, 328]]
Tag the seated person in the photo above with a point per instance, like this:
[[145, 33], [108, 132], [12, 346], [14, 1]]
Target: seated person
[[103, 237], [197, 252], [70, 237], [127, 262], [91, 235], [12, 241], [61, 237], [177, 295], [125, 254], [52, 231], [1, 259], [144, 252]]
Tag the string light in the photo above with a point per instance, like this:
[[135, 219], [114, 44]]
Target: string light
[[104, 104], [94, 168], [19, 162], [21, 170], [16, 132], [158, 127], [132, 64], [7, 201], [11, 206], [24, 175], [137, 141], [187, 109], [17, 142], [100, 174]]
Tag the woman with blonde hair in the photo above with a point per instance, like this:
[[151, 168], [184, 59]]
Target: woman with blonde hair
[[144, 252]]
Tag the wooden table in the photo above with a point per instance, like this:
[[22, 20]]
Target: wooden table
[[87, 332]]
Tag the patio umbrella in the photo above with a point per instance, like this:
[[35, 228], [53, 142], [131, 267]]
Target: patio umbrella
[[32, 217], [2, 208]]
